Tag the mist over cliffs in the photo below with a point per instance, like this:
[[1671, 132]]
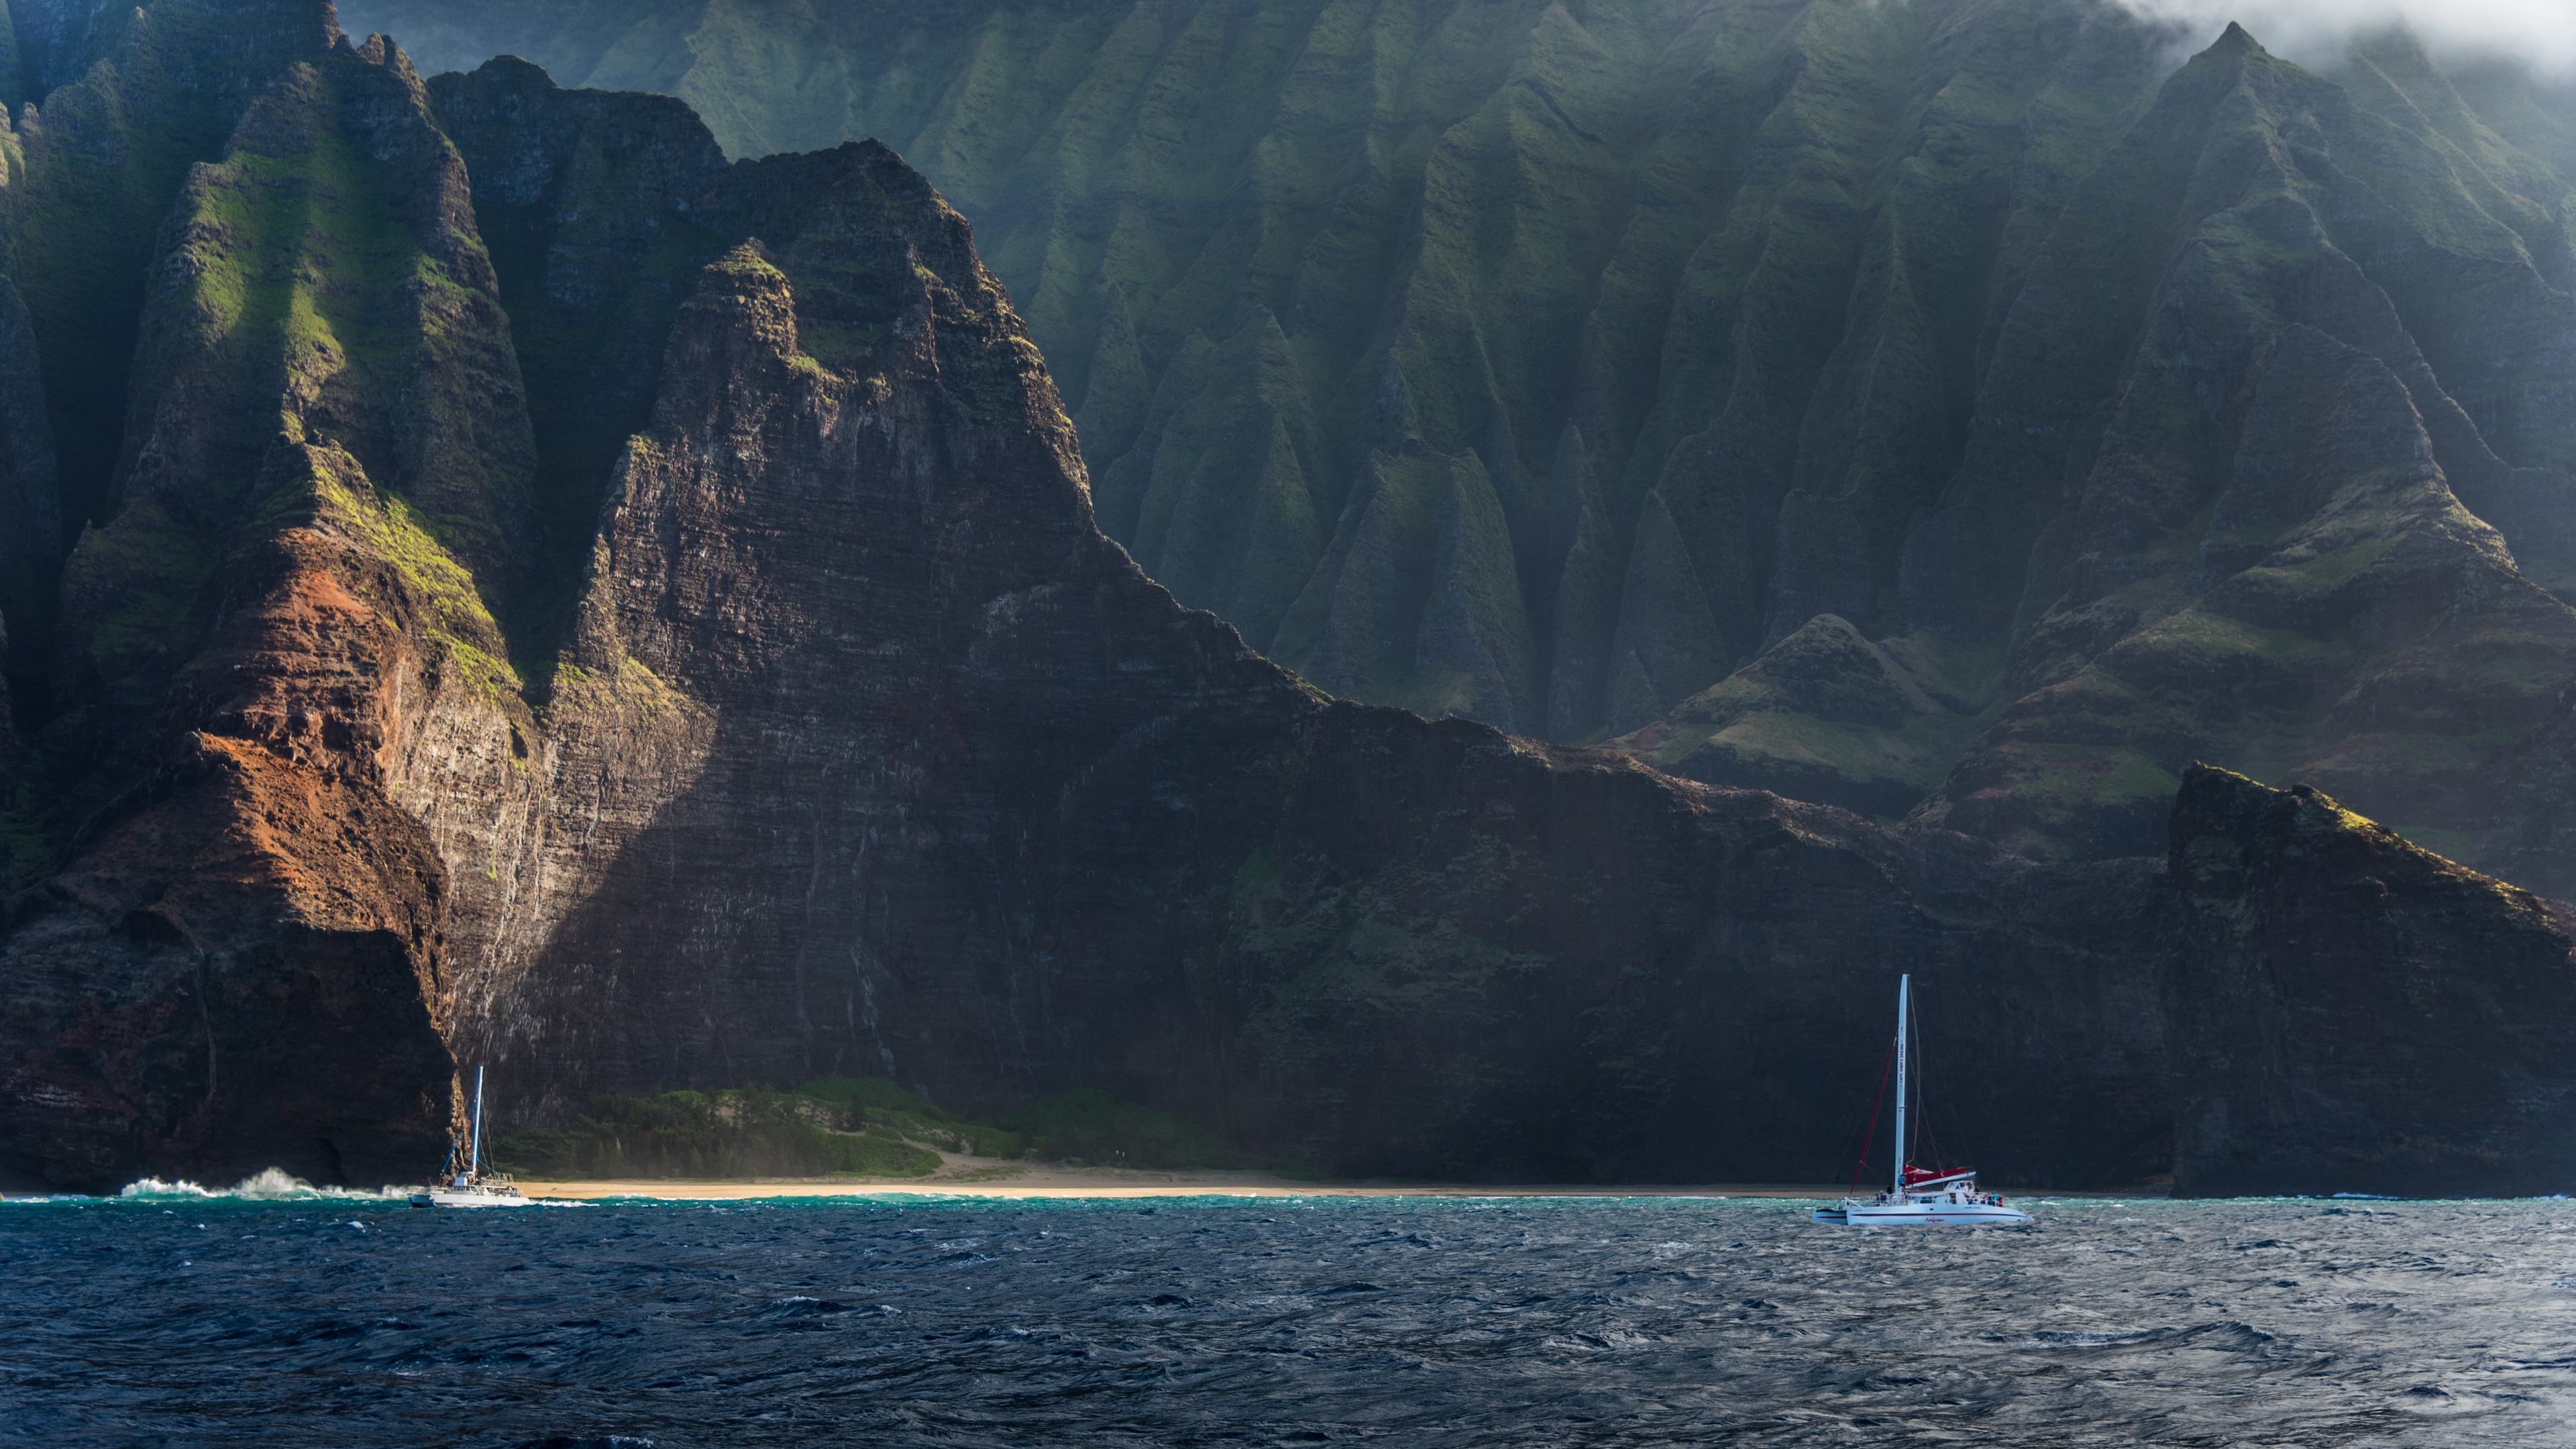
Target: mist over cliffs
[[552, 595]]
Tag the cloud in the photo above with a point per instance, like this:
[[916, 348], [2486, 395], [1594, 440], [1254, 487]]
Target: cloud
[[2316, 31]]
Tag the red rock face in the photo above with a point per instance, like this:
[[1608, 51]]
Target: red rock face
[[242, 965], [240, 970]]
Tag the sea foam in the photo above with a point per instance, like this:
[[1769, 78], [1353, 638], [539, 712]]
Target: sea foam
[[269, 1184]]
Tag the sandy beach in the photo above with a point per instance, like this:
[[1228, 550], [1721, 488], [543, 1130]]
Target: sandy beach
[[976, 1177]]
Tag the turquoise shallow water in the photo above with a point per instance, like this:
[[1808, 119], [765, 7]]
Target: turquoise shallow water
[[185, 1320]]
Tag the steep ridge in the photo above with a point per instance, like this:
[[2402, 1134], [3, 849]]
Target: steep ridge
[[1051, 828], [1533, 361], [2300, 925], [2266, 557], [1041, 825], [243, 962], [1556, 365], [845, 742], [1828, 715], [130, 100]]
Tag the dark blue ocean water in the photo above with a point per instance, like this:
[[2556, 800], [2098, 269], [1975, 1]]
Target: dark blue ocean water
[[189, 1320]]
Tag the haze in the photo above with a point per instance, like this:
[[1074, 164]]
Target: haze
[[2542, 31]]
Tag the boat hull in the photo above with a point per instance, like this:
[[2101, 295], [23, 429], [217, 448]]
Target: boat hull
[[1920, 1215], [470, 1200]]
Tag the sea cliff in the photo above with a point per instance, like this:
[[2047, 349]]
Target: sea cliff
[[573, 604]]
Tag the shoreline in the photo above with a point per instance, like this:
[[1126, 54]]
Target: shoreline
[[972, 1178], [673, 1190]]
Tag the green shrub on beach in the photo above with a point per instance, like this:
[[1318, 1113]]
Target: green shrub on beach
[[871, 1093], [887, 1107], [729, 1134]]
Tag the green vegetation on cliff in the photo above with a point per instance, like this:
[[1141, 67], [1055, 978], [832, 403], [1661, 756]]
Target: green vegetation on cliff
[[1885, 405], [94, 174], [2293, 923], [862, 1126], [1817, 390], [2280, 486], [297, 263], [90, 176], [1563, 365], [321, 347], [1462, 355]]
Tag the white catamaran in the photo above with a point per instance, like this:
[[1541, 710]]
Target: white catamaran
[[1920, 1196], [472, 1187]]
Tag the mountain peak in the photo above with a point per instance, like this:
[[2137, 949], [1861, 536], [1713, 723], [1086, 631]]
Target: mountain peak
[[2234, 45]]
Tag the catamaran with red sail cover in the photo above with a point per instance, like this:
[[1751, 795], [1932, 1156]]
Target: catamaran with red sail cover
[[1919, 1196]]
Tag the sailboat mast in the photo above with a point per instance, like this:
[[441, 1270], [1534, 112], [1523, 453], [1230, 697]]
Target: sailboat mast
[[1904, 989], [474, 1164]]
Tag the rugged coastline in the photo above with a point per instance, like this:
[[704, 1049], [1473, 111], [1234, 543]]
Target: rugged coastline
[[572, 603]]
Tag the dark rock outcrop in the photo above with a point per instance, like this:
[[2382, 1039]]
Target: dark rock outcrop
[[2351, 1013], [232, 978], [31, 523]]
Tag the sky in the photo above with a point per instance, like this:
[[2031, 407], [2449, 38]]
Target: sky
[[2308, 31]]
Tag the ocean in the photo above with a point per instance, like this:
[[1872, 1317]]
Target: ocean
[[172, 1317]]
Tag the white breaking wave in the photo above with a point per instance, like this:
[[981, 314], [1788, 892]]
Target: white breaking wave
[[2315, 32], [267, 1184]]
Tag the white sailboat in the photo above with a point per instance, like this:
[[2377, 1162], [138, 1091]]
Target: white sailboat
[[1920, 1196], [473, 1187]]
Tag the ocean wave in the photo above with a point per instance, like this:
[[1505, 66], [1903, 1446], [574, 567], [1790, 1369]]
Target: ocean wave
[[269, 1184], [1536, 1324]]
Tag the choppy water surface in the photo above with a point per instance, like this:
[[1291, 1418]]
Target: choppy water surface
[[183, 1320]]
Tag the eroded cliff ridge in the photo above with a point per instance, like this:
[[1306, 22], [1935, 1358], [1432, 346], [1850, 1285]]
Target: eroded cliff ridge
[[573, 603], [242, 958], [1588, 368], [978, 805]]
